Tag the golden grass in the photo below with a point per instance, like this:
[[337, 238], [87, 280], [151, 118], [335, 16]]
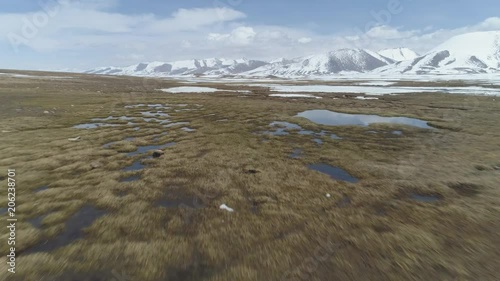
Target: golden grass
[[284, 227]]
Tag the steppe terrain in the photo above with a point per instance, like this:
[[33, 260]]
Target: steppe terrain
[[400, 203]]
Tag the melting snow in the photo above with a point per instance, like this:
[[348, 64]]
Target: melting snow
[[383, 90], [294, 96], [366, 98], [190, 90]]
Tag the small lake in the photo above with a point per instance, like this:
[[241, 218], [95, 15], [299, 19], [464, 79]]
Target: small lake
[[332, 118]]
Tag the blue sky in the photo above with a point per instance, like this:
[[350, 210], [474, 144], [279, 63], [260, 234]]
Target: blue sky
[[81, 34]]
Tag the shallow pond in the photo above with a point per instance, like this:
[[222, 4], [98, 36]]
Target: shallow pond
[[41, 188], [94, 125], [334, 172], [176, 124], [332, 118], [147, 148], [73, 230]]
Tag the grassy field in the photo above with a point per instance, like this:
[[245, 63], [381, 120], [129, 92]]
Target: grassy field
[[168, 226]]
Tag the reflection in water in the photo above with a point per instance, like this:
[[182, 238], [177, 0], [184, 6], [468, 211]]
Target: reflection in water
[[94, 125], [41, 188], [73, 230], [326, 117], [145, 149], [318, 141], [334, 172]]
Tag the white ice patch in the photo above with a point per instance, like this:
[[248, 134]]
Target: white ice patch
[[225, 207], [382, 90], [294, 96], [366, 98], [177, 90], [376, 83]]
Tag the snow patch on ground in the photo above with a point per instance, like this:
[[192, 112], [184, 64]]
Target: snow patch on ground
[[381, 90], [294, 96], [185, 89], [366, 98], [376, 83], [177, 90]]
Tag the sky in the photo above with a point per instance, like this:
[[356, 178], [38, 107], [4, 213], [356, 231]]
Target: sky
[[84, 34]]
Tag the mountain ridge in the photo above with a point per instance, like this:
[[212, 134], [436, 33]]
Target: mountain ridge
[[477, 52]]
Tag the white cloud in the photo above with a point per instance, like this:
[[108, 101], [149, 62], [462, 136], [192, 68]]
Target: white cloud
[[305, 40], [194, 19], [242, 35], [388, 32], [102, 37]]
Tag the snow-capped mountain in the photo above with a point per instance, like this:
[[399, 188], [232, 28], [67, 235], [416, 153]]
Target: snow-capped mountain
[[398, 54], [343, 60], [212, 66], [477, 52]]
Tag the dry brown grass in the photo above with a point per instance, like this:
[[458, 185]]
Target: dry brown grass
[[283, 227]]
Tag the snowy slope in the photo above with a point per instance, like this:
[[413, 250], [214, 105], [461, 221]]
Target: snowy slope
[[469, 53], [212, 66], [398, 54], [343, 60]]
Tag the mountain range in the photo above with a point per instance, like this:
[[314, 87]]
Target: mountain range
[[477, 52]]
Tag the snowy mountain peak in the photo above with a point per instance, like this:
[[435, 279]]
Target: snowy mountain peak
[[334, 62], [477, 52], [398, 54], [213, 66]]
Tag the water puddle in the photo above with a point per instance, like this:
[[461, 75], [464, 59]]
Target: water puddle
[[334, 172], [286, 125], [136, 166], [331, 118], [335, 137], [158, 106], [73, 230], [318, 141], [176, 124], [135, 105], [296, 153], [397, 133], [161, 121], [284, 128], [154, 114], [41, 188], [37, 222], [123, 118], [426, 198], [131, 178], [305, 132], [3, 211], [94, 125], [147, 148], [108, 145], [189, 130]]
